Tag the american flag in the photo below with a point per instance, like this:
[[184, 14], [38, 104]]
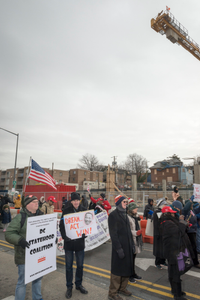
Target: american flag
[[40, 175]]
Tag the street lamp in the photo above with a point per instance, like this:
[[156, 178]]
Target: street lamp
[[17, 134]]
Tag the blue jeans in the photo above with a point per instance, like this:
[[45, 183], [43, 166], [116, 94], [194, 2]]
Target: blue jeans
[[69, 270], [20, 291]]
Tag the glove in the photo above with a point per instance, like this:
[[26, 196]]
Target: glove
[[83, 236], [139, 232], [67, 239], [56, 241], [150, 212], [120, 253], [23, 243]]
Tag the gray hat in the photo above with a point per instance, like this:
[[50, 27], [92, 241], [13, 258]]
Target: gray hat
[[177, 204], [28, 199], [161, 201]]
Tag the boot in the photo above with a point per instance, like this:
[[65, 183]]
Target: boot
[[178, 293]]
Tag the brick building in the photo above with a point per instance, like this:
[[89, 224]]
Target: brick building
[[7, 177], [80, 175]]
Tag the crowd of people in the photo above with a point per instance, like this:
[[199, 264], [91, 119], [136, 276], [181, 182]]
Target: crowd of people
[[175, 231]]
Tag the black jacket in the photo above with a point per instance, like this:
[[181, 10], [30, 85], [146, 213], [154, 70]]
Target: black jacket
[[71, 245], [175, 238], [121, 237], [148, 207], [157, 235]]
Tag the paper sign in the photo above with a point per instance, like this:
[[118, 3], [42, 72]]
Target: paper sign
[[88, 188], [196, 192], [40, 258], [80, 223]]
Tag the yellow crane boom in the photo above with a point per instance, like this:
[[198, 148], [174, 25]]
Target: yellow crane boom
[[165, 23]]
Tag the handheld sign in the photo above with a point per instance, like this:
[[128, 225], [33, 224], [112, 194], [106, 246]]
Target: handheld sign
[[196, 192], [88, 188], [40, 257], [80, 223]]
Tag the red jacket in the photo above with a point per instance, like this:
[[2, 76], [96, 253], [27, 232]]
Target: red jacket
[[105, 203]]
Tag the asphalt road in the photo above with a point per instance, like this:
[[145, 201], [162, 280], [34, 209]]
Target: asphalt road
[[153, 286]]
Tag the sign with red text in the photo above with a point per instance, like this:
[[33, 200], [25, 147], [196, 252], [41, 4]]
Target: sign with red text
[[196, 192], [40, 257], [80, 223], [88, 188]]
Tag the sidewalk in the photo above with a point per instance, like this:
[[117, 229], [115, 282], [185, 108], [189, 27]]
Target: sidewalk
[[53, 284]]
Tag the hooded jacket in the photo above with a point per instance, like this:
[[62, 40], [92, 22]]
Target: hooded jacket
[[190, 215], [148, 207], [15, 233]]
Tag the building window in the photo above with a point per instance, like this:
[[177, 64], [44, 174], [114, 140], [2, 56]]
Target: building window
[[97, 175], [85, 173], [174, 170], [155, 172], [84, 179], [73, 179], [163, 173], [156, 178], [167, 170], [169, 179], [74, 172], [61, 174]]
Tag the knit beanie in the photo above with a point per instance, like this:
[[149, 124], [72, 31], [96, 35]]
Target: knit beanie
[[119, 199], [132, 206], [28, 199], [75, 196], [177, 204]]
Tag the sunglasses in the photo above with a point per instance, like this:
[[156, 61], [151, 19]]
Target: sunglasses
[[124, 201]]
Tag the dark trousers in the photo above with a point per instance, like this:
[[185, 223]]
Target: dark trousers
[[175, 280], [69, 255], [134, 256], [117, 283], [159, 261], [192, 237]]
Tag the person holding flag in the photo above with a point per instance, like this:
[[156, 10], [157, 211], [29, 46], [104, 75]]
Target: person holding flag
[[101, 202]]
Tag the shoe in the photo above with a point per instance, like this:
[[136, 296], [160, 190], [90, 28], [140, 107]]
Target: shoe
[[68, 293], [132, 279], [165, 264], [115, 297], [82, 289], [182, 293], [197, 266], [159, 267], [136, 277], [125, 292]]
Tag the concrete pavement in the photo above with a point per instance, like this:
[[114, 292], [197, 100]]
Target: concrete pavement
[[53, 284]]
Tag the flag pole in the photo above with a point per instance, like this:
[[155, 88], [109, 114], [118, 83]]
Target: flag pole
[[27, 173]]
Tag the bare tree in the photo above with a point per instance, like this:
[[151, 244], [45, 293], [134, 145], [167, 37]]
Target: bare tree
[[89, 162], [136, 164]]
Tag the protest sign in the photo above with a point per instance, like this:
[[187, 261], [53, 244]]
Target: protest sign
[[92, 241], [80, 223], [196, 192], [40, 257], [88, 188], [97, 239]]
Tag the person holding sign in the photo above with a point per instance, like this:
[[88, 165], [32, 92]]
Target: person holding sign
[[71, 246], [16, 235], [100, 202]]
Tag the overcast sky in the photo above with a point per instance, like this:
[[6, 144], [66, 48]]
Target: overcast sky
[[91, 76]]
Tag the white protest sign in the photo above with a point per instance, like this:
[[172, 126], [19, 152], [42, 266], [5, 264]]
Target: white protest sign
[[97, 239], [196, 192], [40, 258], [60, 244], [78, 223], [88, 188]]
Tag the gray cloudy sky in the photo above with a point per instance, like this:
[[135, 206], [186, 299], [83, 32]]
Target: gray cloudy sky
[[86, 76]]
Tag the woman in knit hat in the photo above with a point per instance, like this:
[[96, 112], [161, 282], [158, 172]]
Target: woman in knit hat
[[137, 236], [122, 249]]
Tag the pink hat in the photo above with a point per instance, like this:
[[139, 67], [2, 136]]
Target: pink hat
[[52, 198]]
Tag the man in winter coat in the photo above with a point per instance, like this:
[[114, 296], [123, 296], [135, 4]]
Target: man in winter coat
[[174, 240], [157, 236], [71, 246], [148, 211], [48, 207], [84, 201], [16, 235], [122, 250], [102, 202], [190, 215]]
